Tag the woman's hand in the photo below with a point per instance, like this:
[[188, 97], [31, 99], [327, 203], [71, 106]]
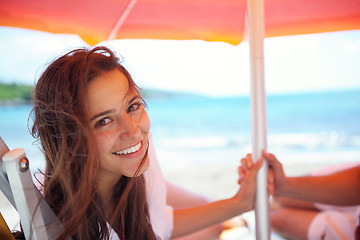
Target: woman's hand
[[247, 179], [275, 173]]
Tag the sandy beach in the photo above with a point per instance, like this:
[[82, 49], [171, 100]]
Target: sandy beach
[[218, 180]]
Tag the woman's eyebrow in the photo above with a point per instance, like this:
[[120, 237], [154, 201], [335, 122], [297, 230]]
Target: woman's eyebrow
[[100, 114], [133, 99], [109, 111]]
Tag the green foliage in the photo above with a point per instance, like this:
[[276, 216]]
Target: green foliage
[[18, 93], [15, 92]]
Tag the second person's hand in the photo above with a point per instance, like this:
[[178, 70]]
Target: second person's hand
[[276, 177]]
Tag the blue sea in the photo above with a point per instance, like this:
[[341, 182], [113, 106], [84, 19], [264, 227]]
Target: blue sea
[[194, 130]]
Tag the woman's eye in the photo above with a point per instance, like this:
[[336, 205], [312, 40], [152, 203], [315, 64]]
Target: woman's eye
[[102, 122], [134, 107]]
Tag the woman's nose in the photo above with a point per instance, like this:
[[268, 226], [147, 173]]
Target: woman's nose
[[129, 127]]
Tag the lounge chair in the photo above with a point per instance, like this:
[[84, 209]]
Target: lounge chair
[[37, 218], [5, 233]]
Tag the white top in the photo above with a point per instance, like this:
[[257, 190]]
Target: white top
[[161, 214]]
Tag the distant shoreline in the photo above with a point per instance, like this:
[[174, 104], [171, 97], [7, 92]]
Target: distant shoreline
[[14, 102], [15, 94], [19, 94]]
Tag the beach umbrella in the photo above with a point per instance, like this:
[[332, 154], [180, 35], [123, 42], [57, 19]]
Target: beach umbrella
[[210, 20]]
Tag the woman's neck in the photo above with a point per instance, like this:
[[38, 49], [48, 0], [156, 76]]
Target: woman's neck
[[106, 191]]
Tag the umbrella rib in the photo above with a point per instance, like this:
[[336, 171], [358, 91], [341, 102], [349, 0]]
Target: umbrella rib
[[121, 20]]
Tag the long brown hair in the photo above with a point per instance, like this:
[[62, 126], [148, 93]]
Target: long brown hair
[[72, 163]]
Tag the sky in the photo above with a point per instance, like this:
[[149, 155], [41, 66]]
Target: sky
[[303, 63]]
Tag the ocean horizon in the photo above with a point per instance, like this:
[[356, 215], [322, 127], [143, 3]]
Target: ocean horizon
[[301, 127]]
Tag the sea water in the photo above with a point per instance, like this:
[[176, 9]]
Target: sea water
[[307, 127], [193, 130]]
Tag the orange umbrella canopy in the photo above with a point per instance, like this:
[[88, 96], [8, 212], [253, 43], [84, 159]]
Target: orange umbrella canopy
[[211, 20]]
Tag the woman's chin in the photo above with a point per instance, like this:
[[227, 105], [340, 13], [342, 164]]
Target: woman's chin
[[144, 167], [137, 172]]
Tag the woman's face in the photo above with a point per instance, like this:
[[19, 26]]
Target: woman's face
[[120, 124]]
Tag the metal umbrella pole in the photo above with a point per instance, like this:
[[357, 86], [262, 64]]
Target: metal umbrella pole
[[255, 14]]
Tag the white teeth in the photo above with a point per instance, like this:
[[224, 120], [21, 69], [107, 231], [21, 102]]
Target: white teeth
[[129, 150]]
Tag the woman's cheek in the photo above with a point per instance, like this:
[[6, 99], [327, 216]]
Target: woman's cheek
[[103, 141], [145, 122]]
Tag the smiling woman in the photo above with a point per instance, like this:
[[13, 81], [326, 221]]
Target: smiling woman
[[86, 110], [95, 136]]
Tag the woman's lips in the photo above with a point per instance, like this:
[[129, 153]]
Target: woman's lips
[[135, 151], [132, 149]]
